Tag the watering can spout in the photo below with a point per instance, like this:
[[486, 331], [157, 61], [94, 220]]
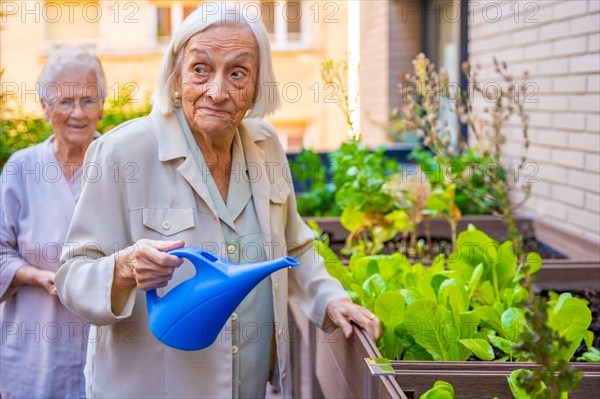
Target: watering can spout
[[191, 315], [258, 271]]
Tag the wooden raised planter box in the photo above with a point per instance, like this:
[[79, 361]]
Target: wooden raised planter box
[[480, 379], [438, 227], [337, 366], [338, 369]]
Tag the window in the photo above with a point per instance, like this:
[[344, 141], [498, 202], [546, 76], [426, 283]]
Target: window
[[167, 17], [291, 135], [163, 25], [287, 24], [445, 44], [69, 23]]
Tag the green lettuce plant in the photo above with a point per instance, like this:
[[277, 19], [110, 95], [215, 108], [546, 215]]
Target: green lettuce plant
[[440, 390], [470, 304]]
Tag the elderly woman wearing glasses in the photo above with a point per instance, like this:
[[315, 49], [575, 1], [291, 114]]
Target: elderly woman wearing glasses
[[210, 173], [43, 344]]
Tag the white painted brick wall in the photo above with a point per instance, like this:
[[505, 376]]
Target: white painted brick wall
[[583, 218], [552, 173], [570, 45], [592, 202], [587, 24], [585, 180], [568, 158], [586, 142], [592, 163], [569, 195], [593, 42], [585, 63], [569, 121], [554, 67], [592, 123], [541, 189], [569, 84], [562, 52], [550, 138], [585, 102], [551, 208], [593, 83]]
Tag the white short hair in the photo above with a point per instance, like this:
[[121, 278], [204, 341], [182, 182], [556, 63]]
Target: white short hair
[[207, 15], [58, 64]]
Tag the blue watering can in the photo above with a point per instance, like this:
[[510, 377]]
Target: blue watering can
[[191, 315]]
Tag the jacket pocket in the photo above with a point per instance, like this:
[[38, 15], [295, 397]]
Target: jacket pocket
[[280, 191], [168, 221]]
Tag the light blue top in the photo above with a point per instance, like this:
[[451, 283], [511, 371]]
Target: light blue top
[[253, 321]]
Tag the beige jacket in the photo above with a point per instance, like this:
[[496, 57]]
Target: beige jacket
[[140, 181]]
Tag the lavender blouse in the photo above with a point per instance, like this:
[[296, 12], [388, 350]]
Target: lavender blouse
[[43, 345]]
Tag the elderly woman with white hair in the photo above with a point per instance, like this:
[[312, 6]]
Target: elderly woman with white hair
[[43, 344], [209, 173]]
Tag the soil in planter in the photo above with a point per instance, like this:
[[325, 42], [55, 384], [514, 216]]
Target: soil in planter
[[426, 253]]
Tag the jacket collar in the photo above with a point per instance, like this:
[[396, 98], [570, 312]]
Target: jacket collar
[[171, 141], [172, 145]]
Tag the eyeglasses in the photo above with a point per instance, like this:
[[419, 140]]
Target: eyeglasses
[[65, 105]]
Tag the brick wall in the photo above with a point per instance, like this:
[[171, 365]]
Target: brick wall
[[374, 50], [558, 42], [390, 38]]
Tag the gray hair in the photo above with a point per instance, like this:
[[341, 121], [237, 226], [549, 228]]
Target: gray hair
[[207, 15], [64, 59]]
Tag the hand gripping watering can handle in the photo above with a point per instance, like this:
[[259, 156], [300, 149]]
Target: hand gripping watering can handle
[[194, 255]]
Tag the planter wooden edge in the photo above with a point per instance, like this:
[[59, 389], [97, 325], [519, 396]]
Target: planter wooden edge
[[568, 275], [338, 369], [438, 227], [570, 244], [342, 372], [481, 379]]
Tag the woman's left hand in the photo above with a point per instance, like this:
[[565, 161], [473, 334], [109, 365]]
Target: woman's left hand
[[342, 311]]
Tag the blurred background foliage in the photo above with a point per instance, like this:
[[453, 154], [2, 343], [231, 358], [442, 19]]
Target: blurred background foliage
[[19, 130]]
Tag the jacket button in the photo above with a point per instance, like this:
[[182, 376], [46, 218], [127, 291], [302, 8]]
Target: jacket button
[[279, 332], [234, 349], [281, 196], [230, 248], [283, 376], [166, 225], [234, 317], [275, 287]]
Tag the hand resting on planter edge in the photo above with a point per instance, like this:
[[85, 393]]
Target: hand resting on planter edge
[[343, 311]]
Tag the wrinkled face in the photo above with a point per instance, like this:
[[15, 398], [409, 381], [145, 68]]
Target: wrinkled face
[[218, 78], [74, 106]]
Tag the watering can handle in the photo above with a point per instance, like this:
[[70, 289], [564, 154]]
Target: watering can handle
[[194, 255]]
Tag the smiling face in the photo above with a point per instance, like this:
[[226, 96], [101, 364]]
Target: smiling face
[[218, 79], [75, 107]]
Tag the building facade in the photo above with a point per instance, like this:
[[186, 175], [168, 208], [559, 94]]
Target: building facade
[[130, 37], [556, 41]]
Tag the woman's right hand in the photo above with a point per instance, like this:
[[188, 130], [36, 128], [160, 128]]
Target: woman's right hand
[[31, 275], [145, 265]]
